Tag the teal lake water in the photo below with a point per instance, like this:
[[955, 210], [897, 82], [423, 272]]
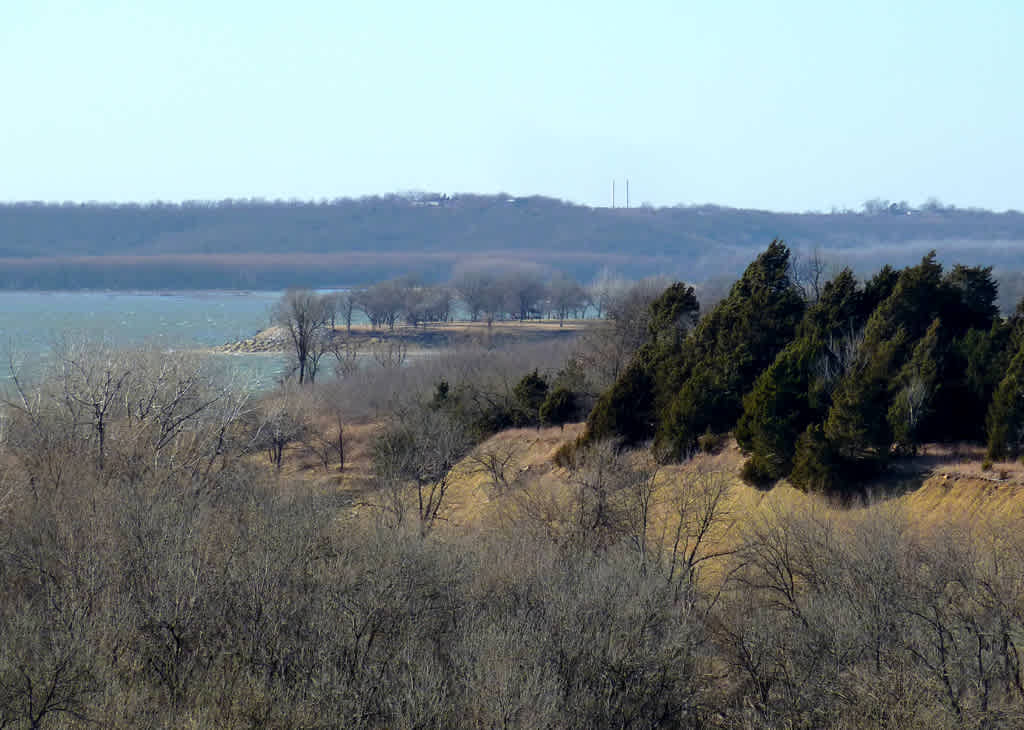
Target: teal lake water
[[31, 322]]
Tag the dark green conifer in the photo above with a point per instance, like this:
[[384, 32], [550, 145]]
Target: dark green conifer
[[816, 467], [915, 387], [778, 410], [529, 394], [558, 408], [1006, 414], [728, 350]]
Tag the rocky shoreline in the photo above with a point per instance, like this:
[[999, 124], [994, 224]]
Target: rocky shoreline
[[275, 339], [270, 340]]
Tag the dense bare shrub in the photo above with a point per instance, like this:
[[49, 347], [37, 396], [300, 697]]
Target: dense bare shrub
[[874, 625], [369, 394], [390, 354], [281, 420], [498, 463], [130, 414], [419, 448]]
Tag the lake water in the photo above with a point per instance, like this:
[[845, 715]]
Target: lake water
[[31, 322]]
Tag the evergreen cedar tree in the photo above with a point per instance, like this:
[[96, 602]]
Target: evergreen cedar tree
[[530, 394], [1006, 415], [825, 393], [531, 402], [558, 408], [692, 378]]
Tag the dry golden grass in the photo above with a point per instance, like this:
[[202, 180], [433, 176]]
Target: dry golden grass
[[943, 496], [950, 490], [942, 486], [474, 501], [301, 467]]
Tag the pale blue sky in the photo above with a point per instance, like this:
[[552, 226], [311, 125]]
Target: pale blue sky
[[779, 105]]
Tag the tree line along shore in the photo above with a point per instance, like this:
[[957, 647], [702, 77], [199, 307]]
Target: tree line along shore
[[489, 306]]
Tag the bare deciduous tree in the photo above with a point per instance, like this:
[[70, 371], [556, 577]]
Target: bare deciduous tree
[[280, 422], [419, 449], [606, 348], [523, 291], [390, 353], [91, 380], [383, 302], [346, 356], [321, 343], [346, 305], [841, 353], [641, 505], [303, 314], [809, 271], [473, 288], [427, 304], [604, 289], [697, 525], [499, 463], [602, 472]]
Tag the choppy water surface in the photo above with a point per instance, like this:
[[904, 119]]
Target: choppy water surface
[[31, 322]]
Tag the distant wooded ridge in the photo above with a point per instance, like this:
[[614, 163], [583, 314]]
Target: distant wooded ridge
[[247, 244]]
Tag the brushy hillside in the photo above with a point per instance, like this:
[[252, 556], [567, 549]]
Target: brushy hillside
[[943, 485], [174, 553]]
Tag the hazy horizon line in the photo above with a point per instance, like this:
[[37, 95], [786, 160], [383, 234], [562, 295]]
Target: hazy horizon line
[[930, 204]]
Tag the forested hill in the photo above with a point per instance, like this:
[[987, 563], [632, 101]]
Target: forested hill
[[248, 244]]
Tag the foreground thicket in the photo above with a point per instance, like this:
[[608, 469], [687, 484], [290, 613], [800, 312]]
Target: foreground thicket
[[154, 572]]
